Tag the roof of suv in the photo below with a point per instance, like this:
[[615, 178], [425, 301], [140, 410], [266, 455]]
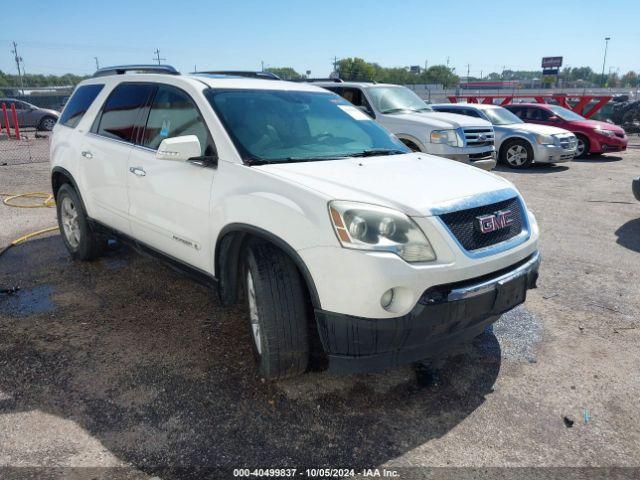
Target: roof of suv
[[330, 83], [114, 75], [477, 106]]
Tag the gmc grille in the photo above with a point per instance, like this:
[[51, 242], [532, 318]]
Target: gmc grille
[[462, 224]]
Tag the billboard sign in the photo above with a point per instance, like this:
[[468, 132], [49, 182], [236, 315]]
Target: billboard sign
[[551, 62]]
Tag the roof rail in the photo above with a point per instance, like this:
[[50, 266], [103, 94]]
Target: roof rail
[[122, 69], [243, 73], [311, 80]]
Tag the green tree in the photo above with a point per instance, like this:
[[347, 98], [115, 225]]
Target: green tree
[[285, 73], [356, 69]]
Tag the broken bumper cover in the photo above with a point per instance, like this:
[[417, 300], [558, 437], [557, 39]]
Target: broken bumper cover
[[445, 316]]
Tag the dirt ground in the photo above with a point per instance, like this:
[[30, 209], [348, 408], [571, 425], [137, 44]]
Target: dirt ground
[[125, 368]]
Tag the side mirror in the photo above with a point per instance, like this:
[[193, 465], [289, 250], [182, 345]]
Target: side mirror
[[179, 149]]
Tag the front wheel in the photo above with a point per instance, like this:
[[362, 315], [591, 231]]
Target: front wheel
[[517, 154], [582, 149], [47, 124], [81, 242], [277, 311]]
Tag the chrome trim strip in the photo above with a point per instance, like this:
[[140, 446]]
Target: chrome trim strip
[[488, 285], [479, 200]]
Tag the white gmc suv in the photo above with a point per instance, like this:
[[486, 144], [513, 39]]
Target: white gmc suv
[[287, 196], [417, 125]]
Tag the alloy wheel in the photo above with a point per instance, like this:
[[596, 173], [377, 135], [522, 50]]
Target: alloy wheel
[[517, 155], [70, 222]]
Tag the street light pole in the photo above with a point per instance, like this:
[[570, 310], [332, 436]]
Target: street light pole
[[604, 61]]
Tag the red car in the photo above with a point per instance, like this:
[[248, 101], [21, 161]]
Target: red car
[[593, 136]]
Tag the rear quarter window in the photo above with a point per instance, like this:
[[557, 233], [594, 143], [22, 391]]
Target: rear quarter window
[[79, 103]]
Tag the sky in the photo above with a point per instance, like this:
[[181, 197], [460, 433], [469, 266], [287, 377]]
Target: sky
[[65, 36]]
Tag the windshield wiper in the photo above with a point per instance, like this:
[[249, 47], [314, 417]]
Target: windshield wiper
[[374, 152]]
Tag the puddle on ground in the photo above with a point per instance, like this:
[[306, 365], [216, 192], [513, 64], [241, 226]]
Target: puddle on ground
[[517, 331], [28, 301]]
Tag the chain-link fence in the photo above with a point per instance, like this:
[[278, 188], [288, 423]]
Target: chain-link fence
[[31, 147]]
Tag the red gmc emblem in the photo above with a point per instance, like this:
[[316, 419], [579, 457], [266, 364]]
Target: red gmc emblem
[[491, 223]]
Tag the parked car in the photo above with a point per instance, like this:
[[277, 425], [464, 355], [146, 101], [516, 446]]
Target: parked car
[[519, 144], [31, 116], [406, 115], [593, 136], [288, 196]]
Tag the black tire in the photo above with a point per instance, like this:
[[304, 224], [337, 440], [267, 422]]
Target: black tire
[[412, 146], [516, 144], [587, 145], [281, 348], [81, 242], [45, 124]]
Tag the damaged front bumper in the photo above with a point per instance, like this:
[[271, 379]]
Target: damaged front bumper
[[445, 316]]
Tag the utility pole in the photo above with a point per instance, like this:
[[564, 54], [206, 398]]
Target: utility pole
[[262, 65], [606, 44], [447, 62], [468, 69], [426, 65], [157, 57], [18, 60], [481, 74], [97, 63]]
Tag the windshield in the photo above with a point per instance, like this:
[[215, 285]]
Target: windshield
[[397, 99], [501, 116], [565, 113], [271, 126]]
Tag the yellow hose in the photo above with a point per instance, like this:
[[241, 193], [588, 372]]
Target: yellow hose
[[47, 202]]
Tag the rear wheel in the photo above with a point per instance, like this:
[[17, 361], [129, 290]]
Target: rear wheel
[[81, 242], [582, 149], [517, 154], [277, 312]]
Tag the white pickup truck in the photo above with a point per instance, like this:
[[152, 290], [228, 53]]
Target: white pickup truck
[[417, 125]]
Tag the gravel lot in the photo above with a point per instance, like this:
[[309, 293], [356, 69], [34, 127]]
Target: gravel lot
[[128, 369]]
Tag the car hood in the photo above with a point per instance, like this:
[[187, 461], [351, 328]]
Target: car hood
[[414, 183], [48, 111], [534, 128], [440, 119], [598, 124]]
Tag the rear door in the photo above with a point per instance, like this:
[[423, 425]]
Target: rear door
[[170, 201], [105, 154]]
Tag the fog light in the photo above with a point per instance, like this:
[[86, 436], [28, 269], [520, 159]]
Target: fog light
[[387, 299]]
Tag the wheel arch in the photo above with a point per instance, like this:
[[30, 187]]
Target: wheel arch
[[229, 244], [410, 138], [60, 176], [507, 141]]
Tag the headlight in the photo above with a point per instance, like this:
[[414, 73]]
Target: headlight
[[606, 133], [545, 139], [447, 137], [370, 227]]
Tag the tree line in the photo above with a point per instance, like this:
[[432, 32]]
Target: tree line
[[358, 69]]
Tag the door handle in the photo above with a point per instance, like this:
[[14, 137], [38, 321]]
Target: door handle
[[87, 154], [139, 171]]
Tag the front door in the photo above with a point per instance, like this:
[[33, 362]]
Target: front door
[[105, 154], [170, 201]]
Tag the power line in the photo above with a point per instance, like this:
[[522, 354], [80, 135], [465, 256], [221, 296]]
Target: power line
[[18, 60], [157, 57]]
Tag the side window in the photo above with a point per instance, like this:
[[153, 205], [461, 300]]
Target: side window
[[121, 112], [79, 103], [174, 114], [471, 112], [519, 112]]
